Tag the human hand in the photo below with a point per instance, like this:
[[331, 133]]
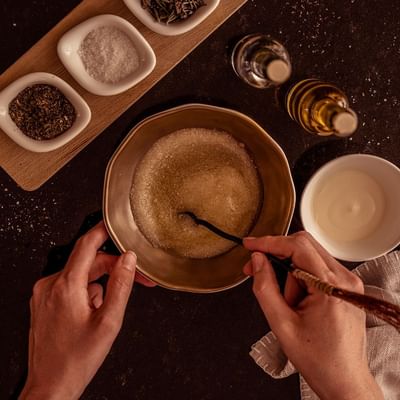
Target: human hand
[[323, 337], [72, 327]]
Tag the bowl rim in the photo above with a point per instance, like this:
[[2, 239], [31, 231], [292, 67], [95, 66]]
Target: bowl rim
[[123, 144], [82, 109], [176, 28], [313, 181], [77, 34]]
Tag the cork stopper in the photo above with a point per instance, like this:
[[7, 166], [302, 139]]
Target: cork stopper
[[278, 71], [345, 123]]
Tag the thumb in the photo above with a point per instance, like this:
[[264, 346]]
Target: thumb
[[119, 286], [267, 292]]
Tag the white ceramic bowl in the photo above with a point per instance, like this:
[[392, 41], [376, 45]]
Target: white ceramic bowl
[[175, 28], [68, 47], [83, 113], [360, 218]]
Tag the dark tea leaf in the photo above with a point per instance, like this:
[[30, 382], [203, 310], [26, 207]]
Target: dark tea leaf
[[167, 11]]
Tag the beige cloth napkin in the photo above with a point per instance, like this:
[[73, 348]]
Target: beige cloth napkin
[[381, 279]]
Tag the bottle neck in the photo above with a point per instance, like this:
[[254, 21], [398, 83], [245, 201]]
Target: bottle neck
[[335, 118], [271, 67]]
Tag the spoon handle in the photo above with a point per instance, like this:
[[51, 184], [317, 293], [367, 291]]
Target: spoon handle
[[285, 263], [217, 231], [382, 309]]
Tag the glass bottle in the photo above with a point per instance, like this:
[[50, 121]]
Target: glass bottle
[[321, 108], [260, 61]]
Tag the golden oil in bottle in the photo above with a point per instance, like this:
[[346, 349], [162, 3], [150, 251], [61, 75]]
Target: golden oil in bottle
[[321, 108]]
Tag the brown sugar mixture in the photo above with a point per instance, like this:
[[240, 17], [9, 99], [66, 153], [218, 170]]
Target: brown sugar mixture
[[200, 170]]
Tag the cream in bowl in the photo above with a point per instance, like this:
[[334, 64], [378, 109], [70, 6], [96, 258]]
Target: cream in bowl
[[212, 161], [350, 206]]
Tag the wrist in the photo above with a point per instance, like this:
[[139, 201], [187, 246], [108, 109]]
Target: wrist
[[364, 387], [45, 392], [29, 393]]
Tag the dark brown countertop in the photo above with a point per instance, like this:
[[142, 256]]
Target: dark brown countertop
[[177, 345]]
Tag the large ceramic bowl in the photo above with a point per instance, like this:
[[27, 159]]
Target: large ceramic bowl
[[196, 275]]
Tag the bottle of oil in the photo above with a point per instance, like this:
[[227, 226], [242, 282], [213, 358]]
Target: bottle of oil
[[261, 61], [321, 108]]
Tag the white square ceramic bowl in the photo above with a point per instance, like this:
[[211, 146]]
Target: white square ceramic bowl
[[68, 47], [174, 28], [83, 113], [358, 204]]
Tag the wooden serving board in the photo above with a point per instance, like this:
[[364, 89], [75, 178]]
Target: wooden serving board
[[30, 170]]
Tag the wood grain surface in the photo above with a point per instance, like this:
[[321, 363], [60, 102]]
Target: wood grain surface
[[30, 170]]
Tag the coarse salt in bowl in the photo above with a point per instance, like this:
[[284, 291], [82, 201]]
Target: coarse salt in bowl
[[7, 95], [173, 28], [73, 50]]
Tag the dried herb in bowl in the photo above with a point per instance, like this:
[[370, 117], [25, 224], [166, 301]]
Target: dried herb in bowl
[[168, 11], [42, 112]]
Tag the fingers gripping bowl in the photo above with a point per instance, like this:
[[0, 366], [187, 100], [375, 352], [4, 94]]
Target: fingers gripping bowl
[[175, 271]]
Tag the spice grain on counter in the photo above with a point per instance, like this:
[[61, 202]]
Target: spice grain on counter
[[42, 112], [108, 54], [168, 11]]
